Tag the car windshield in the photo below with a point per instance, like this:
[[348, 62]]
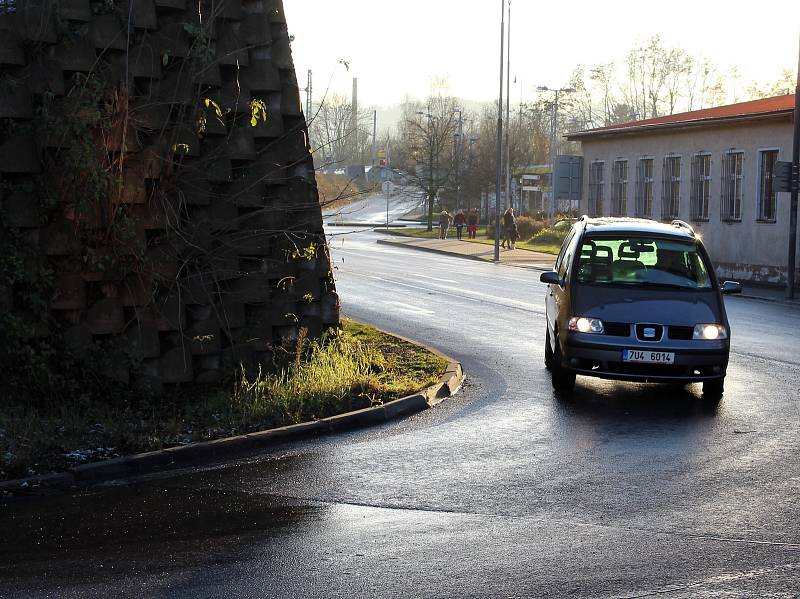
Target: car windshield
[[642, 262]]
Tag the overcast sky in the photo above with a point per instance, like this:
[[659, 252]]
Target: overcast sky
[[397, 47]]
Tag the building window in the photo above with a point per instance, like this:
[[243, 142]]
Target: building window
[[701, 186], [671, 188], [732, 175], [644, 187], [766, 186], [619, 188], [8, 6], [596, 188]]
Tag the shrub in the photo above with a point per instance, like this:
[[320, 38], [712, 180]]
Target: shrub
[[528, 227], [550, 235]]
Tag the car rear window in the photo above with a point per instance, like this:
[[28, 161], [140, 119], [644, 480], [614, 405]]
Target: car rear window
[[642, 262]]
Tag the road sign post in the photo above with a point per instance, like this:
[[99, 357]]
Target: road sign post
[[793, 201], [387, 192]]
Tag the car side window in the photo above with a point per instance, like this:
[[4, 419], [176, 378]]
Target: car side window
[[564, 246], [566, 258]]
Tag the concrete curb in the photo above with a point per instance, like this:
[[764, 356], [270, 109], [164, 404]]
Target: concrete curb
[[530, 265], [771, 300], [377, 226], [207, 452]]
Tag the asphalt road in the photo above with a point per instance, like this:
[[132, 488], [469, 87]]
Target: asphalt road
[[504, 490], [372, 209]]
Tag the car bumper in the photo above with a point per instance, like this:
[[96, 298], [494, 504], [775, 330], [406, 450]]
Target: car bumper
[[692, 364]]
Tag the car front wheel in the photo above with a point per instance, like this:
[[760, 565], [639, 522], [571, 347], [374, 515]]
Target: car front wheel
[[562, 378], [548, 350]]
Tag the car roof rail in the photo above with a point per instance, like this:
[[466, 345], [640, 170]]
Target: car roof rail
[[683, 225]]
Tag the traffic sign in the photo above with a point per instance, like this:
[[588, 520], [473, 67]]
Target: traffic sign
[[787, 176]]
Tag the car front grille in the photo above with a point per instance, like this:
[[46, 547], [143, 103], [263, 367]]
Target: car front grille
[[648, 369], [656, 329], [680, 333], [617, 329]]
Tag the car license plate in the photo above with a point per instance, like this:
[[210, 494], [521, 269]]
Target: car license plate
[[648, 357]]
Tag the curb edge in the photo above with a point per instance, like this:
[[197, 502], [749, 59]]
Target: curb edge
[[206, 452]]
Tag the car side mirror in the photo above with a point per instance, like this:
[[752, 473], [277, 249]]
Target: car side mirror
[[729, 287], [551, 278]]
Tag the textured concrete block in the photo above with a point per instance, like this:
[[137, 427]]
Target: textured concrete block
[[176, 366], [105, 317], [136, 290], [74, 10], [143, 339], [15, 99], [20, 155], [21, 210], [69, 292]]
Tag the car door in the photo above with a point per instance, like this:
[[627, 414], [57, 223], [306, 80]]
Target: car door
[[555, 293]]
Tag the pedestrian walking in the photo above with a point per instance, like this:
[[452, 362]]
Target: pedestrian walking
[[509, 224], [472, 224], [444, 224], [459, 220]]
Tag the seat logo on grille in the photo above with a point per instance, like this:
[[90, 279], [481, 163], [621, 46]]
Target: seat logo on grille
[[649, 332]]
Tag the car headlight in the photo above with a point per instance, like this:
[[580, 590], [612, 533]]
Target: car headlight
[[581, 324], [710, 332]]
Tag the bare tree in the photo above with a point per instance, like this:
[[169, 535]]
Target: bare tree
[[333, 135], [784, 85], [424, 146]]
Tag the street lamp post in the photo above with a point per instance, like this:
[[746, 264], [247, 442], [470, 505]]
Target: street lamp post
[[793, 197], [430, 189], [499, 150], [459, 137], [508, 202], [551, 210]]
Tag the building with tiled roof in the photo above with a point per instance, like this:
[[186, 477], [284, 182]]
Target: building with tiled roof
[[713, 168]]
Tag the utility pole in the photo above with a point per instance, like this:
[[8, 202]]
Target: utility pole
[[508, 202], [551, 209], [374, 134], [354, 121], [459, 145], [309, 98], [499, 150], [794, 193]]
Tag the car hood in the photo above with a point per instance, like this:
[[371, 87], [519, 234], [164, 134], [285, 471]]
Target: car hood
[[669, 307]]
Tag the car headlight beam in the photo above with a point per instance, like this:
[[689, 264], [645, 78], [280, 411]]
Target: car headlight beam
[[710, 332], [582, 324]]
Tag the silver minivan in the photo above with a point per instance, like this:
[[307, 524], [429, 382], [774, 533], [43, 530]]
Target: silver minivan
[[637, 300]]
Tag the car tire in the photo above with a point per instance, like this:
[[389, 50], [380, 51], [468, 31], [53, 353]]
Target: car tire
[[562, 378], [548, 350], [713, 390]]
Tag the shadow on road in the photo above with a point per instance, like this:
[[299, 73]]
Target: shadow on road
[[647, 403]]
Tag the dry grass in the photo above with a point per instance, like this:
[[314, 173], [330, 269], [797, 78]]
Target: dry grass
[[357, 368], [338, 191]]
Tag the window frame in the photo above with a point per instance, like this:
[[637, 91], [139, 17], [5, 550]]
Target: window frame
[[671, 187], [728, 204], [596, 187], [644, 204], [760, 218], [619, 188], [700, 191]]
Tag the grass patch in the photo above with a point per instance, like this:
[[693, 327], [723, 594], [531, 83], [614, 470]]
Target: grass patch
[[356, 368], [545, 245]]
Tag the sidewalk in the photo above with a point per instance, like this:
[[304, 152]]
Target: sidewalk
[[769, 294], [476, 251], [542, 261]]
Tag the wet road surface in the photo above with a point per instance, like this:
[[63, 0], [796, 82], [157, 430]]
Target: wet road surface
[[504, 490]]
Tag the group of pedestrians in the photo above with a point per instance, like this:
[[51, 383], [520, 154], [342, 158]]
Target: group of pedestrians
[[460, 220]]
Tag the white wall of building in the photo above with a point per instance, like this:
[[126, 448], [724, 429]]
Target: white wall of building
[[745, 250]]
